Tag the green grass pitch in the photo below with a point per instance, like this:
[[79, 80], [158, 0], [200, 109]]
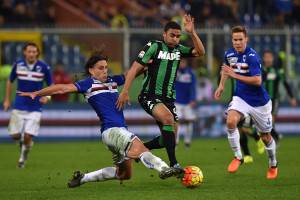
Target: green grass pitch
[[51, 164]]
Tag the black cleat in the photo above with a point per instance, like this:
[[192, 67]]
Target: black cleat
[[21, 164], [75, 181], [178, 170], [166, 172]]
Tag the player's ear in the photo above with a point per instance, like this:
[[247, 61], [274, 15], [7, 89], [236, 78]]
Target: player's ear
[[91, 70]]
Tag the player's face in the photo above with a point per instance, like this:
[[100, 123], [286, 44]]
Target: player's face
[[31, 54], [172, 37], [99, 71], [268, 59], [239, 41]]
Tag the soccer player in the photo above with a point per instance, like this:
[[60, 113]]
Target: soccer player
[[161, 59], [25, 118], [100, 90], [250, 98], [273, 76], [185, 87]]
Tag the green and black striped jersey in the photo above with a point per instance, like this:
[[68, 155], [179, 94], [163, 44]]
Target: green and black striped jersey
[[272, 76], [162, 62]]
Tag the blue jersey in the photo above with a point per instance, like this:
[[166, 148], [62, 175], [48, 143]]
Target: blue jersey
[[247, 63], [185, 86], [29, 79], [102, 96]]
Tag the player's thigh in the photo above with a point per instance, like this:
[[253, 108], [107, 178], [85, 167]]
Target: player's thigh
[[262, 117], [16, 122], [179, 110], [118, 140], [188, 113], [124, 169], [162, 113], [32, 124]]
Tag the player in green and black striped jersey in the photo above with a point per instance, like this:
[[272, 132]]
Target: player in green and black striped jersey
[[272, 76], [160, 61]]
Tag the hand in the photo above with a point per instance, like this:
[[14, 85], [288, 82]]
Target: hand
[[188, 22], [293, 102], [44, 100], [6, 105], [122, 100], [32, 95], [218, 93], [228, 71]]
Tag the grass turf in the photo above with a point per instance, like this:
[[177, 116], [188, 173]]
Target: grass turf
[[50, 165]]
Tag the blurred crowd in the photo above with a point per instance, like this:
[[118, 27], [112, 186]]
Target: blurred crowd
[[141, 13]]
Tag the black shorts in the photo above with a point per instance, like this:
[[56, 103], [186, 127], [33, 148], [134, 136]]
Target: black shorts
[[149, 102]]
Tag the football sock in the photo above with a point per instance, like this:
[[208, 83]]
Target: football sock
[[156, 143], [104, 174], [271, 151], [234, 141], [153, 162], [189, 133], [244, 144], [169, 143], [25, 149]]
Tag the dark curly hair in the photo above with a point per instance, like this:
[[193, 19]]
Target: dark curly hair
[[97, 55]]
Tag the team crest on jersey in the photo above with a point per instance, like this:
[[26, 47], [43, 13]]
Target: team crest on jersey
[[244, 58], [164, 55]]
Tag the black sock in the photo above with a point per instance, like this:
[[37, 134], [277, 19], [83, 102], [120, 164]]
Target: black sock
[[156, 143], [169, 143], [274, 134], [244, 144]]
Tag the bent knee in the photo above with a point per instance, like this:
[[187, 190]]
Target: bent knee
[[167, 119]]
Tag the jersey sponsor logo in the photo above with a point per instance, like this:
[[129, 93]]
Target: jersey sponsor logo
[[164, 55], [232, 60]]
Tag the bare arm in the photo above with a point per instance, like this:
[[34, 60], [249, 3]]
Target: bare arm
[[221, 86], [52, 89], [251, 80], [199, 49], [133, 72], [6, 102]]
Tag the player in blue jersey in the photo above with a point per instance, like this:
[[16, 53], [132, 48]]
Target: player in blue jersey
[[25, 118], [185, 87], [100, 90], [249, 99]]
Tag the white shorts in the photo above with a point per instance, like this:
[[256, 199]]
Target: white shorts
[[185, 112], [262, 116], [118, 140], [24, 122]]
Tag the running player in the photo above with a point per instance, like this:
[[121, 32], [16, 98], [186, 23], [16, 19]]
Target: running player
[[25, 118], [100, 90], [250, 98], [185, 87], [161, 60]]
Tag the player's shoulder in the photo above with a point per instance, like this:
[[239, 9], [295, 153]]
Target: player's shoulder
[[20, 61], [42, 64], [230, 52], [250, 52], [153, 42]]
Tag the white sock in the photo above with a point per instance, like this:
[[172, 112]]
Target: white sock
[[24, 151], [152, 162], [189, 133], [104, 174], [271, 151], [233, 136]]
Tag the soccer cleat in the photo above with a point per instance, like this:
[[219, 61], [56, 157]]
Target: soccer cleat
[[75, 181], [248, 159], [272, 172], [166, 172], [260, 146], [234, 165], [178, 170], [21, 164]]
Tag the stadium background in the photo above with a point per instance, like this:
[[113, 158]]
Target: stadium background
[[68, 30]]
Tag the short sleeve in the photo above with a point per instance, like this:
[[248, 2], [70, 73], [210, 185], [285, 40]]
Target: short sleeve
[[83, 85], [119, 79], [185, 51], [225, 61], [48, 77], [254, 65], [147, 53]]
